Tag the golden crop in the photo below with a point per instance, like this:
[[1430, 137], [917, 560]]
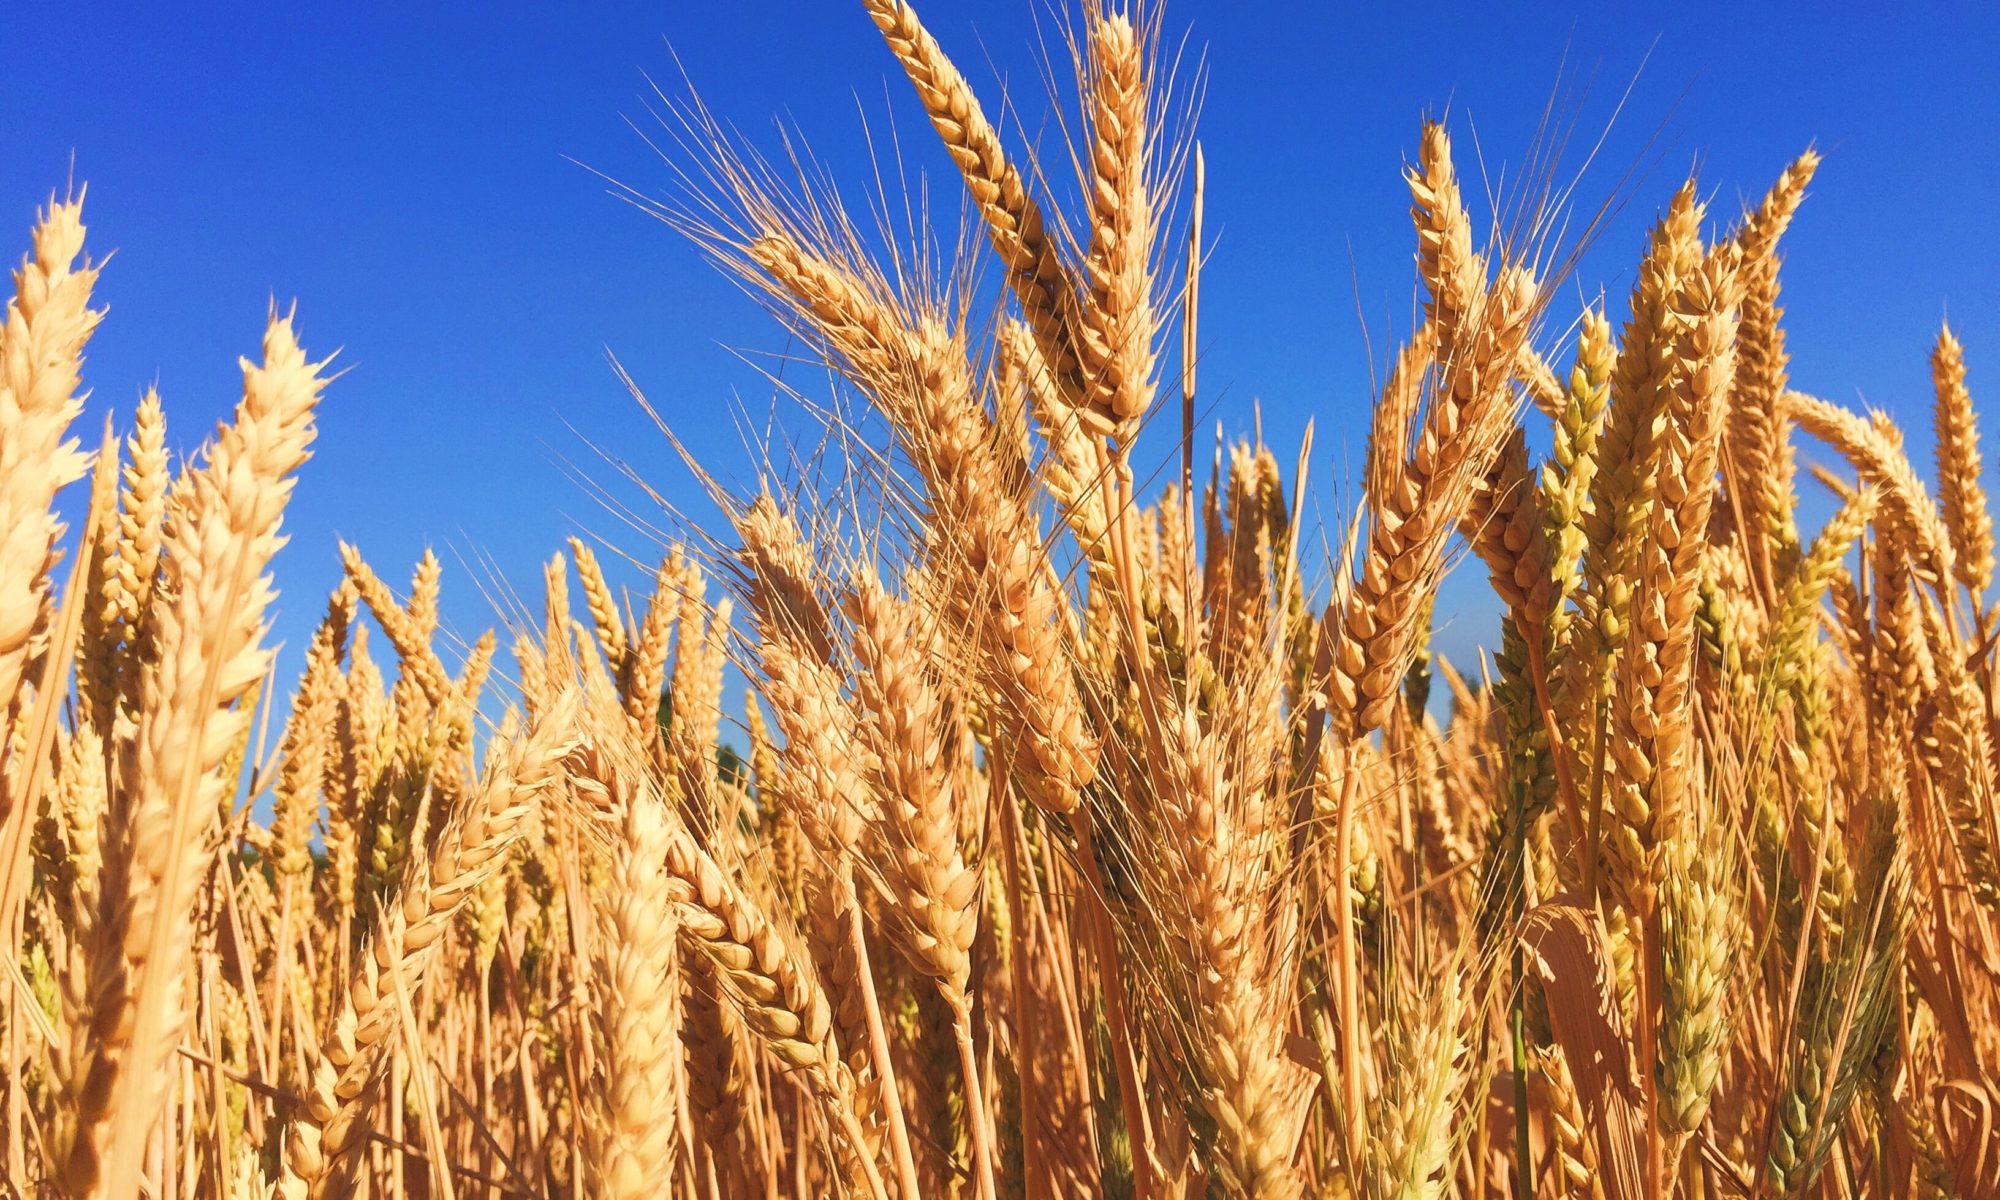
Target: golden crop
[[1080, 848]]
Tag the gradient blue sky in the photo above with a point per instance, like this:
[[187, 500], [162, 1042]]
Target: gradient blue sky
[[403, 172]]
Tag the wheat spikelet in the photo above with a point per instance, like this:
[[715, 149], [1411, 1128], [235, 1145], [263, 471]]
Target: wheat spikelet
[[82, 796], [1699, 930], [116, 641], [1758, 441], [695, 702], [48, 320], [1072, 471], [1415, 500], [780, 569], [1794, 665], [926, 816], [1962, 494], [1453, 275], [1883, 643], [322, 1142], [308, 740], [646, 666], [857, 322], [1575, 1150], [1880, 459], [717, 1059], [1797, 616], [1412, 1138], [1118, 323], [822, 760], [98, 626], [1220, 843], [1573, 462], [911, 737], [1845, 1010], [426, 590], [1959, 743], [639, 1014], [1415, 506], [993, 550], [142, 514], [767, 979], [1507, 528], [1621, 491], [771, 984], [1397, 409], [777, 822], [357, 732], [1539, 379], [603, 605], [406, 632], [1014, 224], [1651, 726]]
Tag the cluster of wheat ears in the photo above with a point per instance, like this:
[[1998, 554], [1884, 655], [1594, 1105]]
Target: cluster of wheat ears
[[1083, 842]]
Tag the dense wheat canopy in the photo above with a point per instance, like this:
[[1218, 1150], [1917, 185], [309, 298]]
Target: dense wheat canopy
[[1091, 827]]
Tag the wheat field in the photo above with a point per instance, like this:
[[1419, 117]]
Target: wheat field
[[1092, 825]]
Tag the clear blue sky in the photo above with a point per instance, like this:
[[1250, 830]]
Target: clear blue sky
[[403, 172]]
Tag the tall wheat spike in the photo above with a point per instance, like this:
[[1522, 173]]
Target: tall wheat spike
[[222, 530]]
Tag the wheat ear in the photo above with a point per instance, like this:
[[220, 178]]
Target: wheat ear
[[639, 1015], [116, 641], [1758, 442], [1963, 496], [405, 628], [1699, 921], [1119, 321], [772, 985], [1413, 1138], [913, 737], [1912, 517], [611, 635], [48, 321], [1424, 468], [1652, 723], [1014, 224], [646, 665], [1620, 495]]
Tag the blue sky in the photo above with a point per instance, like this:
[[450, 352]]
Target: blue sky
[[405, 173]]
